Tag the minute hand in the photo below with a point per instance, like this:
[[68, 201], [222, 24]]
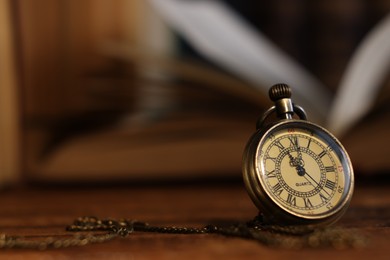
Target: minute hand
[[295, 143], [318, 185]]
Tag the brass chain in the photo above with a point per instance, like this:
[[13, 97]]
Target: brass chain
[[100, 231]]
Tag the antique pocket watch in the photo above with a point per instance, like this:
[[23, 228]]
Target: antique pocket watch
[[296, 172]]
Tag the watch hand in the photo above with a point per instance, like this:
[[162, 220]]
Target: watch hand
[[297, 163], [299, 152], [298, 149], [318, 185], [295, 143]]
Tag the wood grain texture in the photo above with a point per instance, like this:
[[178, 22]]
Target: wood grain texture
[[46, 211]]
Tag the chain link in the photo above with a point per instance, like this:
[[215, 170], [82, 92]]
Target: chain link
[[256, 229]]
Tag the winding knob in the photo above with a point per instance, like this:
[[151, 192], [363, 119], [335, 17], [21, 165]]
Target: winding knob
[[279, 91]]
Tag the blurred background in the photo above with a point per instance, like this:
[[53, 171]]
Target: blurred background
[[111, 91]]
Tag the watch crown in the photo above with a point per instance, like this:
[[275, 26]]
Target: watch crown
[[279, 91], [280, 94]]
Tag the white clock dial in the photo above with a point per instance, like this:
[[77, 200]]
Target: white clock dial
[[301, 172]]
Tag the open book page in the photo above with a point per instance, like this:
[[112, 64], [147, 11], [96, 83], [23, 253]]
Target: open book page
[[361, 82], [221, 35]]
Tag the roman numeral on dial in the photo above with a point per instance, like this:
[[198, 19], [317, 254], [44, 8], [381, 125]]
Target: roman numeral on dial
[[271, 174], [308, 143], [278, 189], [279, 145], [330, 184], [294, 141], [292, 200], [323, 198], [307, 202], [329, 168], [322, 154]]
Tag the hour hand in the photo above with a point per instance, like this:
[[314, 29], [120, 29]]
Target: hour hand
[[295, 144], [297, 163]]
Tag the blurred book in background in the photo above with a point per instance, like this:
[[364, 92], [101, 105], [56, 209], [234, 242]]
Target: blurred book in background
[[108, 93]]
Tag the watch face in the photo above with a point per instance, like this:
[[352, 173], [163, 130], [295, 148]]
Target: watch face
[[303, 169]]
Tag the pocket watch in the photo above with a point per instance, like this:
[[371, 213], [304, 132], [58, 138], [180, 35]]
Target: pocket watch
[[296, 172]]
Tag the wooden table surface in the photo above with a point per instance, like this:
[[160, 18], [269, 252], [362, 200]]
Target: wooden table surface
[[43, 211]]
